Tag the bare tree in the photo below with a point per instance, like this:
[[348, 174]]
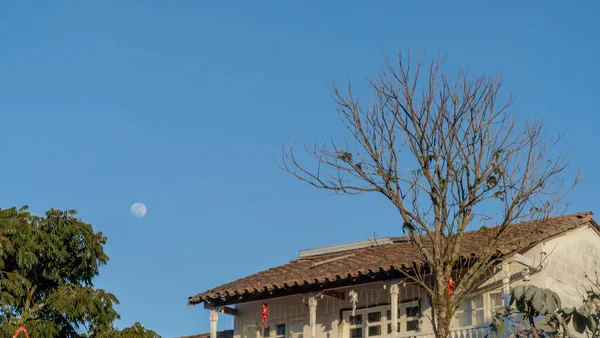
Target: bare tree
[[449, 155]]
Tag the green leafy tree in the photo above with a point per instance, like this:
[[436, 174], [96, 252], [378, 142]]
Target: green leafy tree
[[138, 331], [47, 265], [134, 331]]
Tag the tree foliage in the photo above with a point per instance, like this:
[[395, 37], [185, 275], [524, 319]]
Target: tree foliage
[[137, 331], [47, 265], [537, 311], [449, 155]]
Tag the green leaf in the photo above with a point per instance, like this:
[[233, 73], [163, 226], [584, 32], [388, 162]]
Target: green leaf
[[530, 292], [586, 310], [538, 301], [521, 305], [591, 324], [555, 301], [579, 322], [519, 291], [546, 326]]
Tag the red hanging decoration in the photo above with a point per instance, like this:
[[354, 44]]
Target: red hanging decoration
[[21, 329], [450, 286], [265, 313]]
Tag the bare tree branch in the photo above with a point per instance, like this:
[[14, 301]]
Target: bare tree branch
[[472, 162]]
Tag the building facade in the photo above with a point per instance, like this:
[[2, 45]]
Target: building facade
[[359, 290]]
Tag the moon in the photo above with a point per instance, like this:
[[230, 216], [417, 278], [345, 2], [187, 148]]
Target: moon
[[138, 209]]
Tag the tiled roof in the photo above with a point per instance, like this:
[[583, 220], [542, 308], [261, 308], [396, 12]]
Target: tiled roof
[[375, 263]]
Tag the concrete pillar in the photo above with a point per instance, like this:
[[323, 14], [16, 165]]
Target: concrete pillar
[[341, 328], [312, 304], [214, 318], [394, 292]]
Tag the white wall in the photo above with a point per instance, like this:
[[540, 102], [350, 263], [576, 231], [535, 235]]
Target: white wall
[[291, 308], [571, 257]]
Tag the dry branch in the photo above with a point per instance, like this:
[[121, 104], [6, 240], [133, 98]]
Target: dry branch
[[474, 161]]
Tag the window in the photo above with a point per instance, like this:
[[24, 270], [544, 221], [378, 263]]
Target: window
[[496, 303], [479, 310], [367, 323], [374, 330], [374, 317], [412, 325], [280, 331], [412, 315], [356, 326], [471, 312], [374, 324], [356, 332], [413, 311], [356, 320]]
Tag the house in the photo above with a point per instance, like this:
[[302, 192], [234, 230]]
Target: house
[[352, 290]]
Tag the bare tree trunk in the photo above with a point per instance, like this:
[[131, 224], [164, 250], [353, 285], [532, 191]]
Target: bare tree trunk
[[442, 307], [443, 322]]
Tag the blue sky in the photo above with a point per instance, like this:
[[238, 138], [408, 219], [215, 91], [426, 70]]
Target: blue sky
[[180, 104]]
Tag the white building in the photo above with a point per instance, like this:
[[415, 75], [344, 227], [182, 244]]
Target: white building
[[311, 296]]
